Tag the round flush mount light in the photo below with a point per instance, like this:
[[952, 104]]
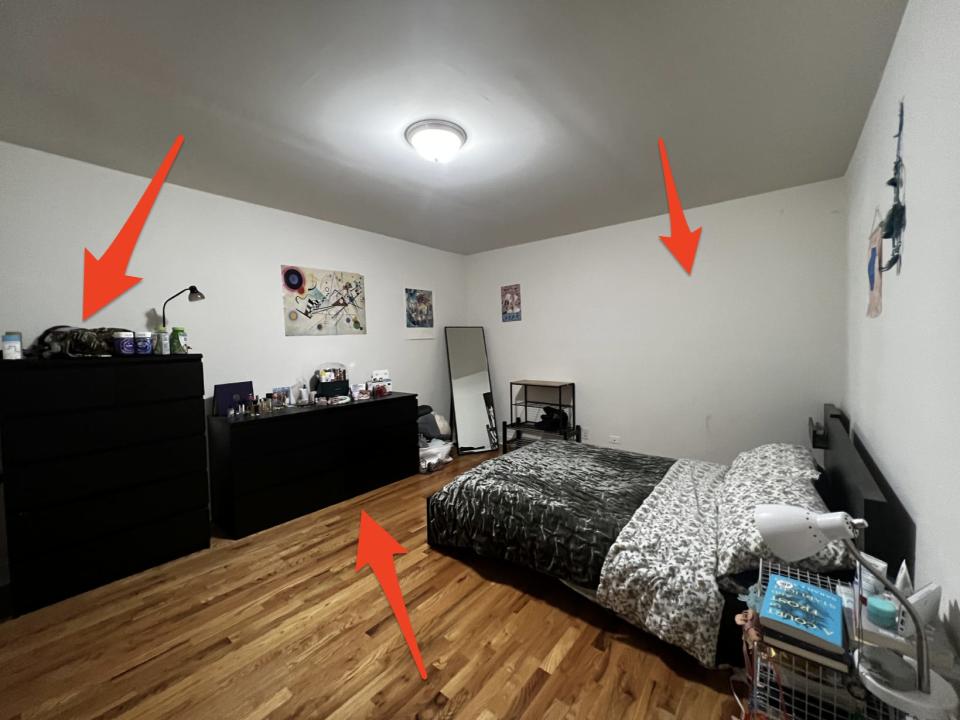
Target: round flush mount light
[[436, 140]]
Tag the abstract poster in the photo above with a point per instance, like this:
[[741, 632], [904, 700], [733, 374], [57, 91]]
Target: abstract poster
[[419, 313], [322, 302], [510, 302]]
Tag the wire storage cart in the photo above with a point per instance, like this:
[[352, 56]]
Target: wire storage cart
[[530, 403], [786, 687]]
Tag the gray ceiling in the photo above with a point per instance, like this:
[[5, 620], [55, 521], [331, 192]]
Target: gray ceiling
[[302, 105]]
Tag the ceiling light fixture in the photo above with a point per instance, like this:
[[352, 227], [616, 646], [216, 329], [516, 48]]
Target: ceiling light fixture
[[436, 140]]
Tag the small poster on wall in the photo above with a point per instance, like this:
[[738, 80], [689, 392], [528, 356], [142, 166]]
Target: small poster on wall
[[419, 313], [510, 302], [874, 273], [322, 302]]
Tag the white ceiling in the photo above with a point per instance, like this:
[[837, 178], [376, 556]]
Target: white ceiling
[[302, 105]]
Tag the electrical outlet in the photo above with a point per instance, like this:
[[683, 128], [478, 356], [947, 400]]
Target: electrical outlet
[[614, 439]]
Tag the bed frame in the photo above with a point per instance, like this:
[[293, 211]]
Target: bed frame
[[852, 482]]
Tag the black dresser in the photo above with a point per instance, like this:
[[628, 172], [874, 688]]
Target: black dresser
[[103, 464], [271, 468]]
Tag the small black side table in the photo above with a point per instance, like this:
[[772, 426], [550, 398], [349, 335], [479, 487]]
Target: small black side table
[[537, 395]]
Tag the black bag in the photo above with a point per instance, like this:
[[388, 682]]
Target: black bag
[[553, 420]]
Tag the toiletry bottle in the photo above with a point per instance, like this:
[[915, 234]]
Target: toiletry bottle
[[12, 345], [178, 341]]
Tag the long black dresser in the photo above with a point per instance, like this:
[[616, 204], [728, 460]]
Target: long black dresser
[[103, 464], [271, 468]]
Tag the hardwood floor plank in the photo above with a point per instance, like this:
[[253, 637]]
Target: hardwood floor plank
[[279, 626]]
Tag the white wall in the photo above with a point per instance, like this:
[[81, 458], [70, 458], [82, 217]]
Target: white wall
[[903, 377], [52, 207], [738, 354]]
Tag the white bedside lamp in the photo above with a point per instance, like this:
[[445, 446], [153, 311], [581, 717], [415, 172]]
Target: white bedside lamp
[[793, 533]]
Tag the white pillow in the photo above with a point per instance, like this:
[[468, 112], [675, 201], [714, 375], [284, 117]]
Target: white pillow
[[776, 474]]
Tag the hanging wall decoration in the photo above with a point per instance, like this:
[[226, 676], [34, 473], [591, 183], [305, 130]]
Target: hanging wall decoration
[[895, 221], [322, 302], [874, 276], [510, 302], [419, 313]]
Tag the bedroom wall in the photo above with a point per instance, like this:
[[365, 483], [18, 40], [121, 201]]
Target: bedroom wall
[[903, 384], [52, 207], [738, 354]]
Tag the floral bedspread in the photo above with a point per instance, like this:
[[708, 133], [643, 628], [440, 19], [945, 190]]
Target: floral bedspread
[[660, 573]]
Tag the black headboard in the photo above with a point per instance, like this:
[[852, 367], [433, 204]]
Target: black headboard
[[852, 482]]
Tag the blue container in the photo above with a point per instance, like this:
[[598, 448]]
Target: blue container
[[143, 343], [123, 343]]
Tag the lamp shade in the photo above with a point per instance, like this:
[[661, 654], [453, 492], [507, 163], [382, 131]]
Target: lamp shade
[[195, 294], [793, 533]]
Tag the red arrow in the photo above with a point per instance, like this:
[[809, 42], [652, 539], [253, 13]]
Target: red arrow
[[106, 279], [681, 242], [376, 548]]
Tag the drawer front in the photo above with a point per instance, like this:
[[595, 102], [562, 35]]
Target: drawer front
[[50, 483], [37, 531], [38, 579], [390, 456], [40, 391], [34, 439], [340, 425], [315, 462], [47, 390], [259, 510], [158, 382]]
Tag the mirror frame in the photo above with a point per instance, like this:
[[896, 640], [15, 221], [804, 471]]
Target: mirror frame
[[453, 405]]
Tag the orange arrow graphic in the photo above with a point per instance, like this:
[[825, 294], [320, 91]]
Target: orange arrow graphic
[[106, 279], [681, 242], [376, 548]]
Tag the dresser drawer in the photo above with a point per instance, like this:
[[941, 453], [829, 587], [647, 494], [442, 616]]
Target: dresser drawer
[[265, 508], [35, 439], [40, 389], [275, 467], [158, 382], [41, 578], [50, 483], [380, 413], [51, 387], [50, 528]]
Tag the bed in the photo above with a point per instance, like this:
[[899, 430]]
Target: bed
[[665, 543]]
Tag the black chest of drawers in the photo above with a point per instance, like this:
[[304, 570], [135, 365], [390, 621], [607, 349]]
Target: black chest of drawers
[[103, 464], [278, 466]]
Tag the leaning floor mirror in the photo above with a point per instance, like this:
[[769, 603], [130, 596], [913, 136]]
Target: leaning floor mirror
[[474, 421]]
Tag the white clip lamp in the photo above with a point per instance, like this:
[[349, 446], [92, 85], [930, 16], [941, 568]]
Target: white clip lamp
[[793, 533]]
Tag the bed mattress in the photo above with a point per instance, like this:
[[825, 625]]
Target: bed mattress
[[556, 507]]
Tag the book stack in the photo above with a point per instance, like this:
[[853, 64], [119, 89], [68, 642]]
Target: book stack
[[805, 621]]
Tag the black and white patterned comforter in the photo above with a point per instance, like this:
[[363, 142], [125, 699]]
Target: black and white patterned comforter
[[646, 532], [660, 574], [556, 507]]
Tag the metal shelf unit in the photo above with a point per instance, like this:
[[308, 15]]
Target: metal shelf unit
[[786, 687], [524, 424]]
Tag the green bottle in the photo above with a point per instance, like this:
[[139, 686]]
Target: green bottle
[[178, 341]]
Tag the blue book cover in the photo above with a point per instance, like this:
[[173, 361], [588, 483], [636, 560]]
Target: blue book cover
[[803, 611]]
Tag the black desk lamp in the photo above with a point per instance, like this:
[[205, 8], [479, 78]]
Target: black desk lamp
[[194, 296]]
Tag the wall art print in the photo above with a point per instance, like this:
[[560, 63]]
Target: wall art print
[[322, 302], [510, 302], [874, 272], [418, 307]]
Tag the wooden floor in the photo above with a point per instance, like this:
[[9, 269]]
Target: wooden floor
[[279, 625]]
